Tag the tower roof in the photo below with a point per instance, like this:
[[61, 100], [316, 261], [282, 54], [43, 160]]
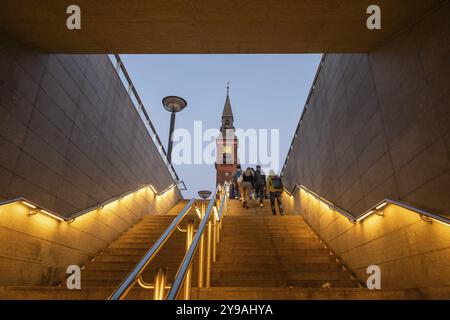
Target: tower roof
[[227, 112]]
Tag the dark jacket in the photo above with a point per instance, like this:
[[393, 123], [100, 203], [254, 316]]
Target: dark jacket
[[260, 178], [249, 178]]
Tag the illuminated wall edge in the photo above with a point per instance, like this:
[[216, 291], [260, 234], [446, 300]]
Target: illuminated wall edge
[[37, 209], [375, 209]]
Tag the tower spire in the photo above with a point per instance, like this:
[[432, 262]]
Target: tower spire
[[227, 113]]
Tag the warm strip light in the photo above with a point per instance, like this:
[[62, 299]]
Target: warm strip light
[[198, 213], [444, 223], [381, 205], [378, 207], [32, 206], [153, 189], [216, 214], [365, 215], [51, 215]]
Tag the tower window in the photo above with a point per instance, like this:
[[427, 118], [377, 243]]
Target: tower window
[[227, 122]]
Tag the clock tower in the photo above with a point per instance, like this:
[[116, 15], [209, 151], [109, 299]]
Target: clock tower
[[227, 145]]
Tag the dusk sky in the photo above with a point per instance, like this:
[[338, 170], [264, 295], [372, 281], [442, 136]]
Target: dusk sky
[[266, 92]]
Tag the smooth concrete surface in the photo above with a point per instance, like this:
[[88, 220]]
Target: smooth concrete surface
[[410, 252], [70, 136], [377, 124], [36, 250], [213, 26]]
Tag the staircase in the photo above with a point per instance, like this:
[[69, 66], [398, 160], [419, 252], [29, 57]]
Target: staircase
[[260, 256]]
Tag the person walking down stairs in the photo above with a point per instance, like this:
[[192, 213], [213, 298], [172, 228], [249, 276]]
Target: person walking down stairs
[[275, 188], [248, 181]]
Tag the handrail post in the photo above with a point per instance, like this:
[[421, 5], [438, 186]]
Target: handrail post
[[189, 256], [201, 254], [214, 241], [160, 284], [188, 280], [208, 254], [201, 251]]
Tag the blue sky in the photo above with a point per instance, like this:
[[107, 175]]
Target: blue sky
[[267, 92]]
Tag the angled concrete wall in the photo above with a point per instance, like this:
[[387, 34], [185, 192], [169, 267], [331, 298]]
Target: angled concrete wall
[[410, 252], [69, 135], [378, 124], [37, 249]]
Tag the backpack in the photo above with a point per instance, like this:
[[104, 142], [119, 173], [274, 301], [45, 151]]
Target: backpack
[[238, 176], [276, 183]]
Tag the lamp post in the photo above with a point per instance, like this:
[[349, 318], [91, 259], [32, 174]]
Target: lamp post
[[172, 104]]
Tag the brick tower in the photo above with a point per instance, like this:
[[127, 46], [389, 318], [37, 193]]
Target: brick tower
[[227, 145]]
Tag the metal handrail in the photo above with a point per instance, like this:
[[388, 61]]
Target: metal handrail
[[132, 278], [132, 89], [189, 256], [305, 108], [373, 209], [38, 208], [222, 203]]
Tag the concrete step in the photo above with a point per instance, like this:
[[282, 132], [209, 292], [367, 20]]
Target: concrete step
[[263, 232], [262, 257], [214, 293], [264, 274], [283, 283], [130, 257], [228, 245], [127, 266], [300, 267], [135, 251], [271, 251], [276, 265], [120, 273], [267, 293], [145, 245]]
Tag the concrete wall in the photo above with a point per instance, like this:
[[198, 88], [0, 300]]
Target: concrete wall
[[378, 124], [410, 252], [69, 134], [36, 250], [70, 138]]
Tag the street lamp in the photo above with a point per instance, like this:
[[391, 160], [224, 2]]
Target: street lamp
[[204, 194], [172, 104]]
